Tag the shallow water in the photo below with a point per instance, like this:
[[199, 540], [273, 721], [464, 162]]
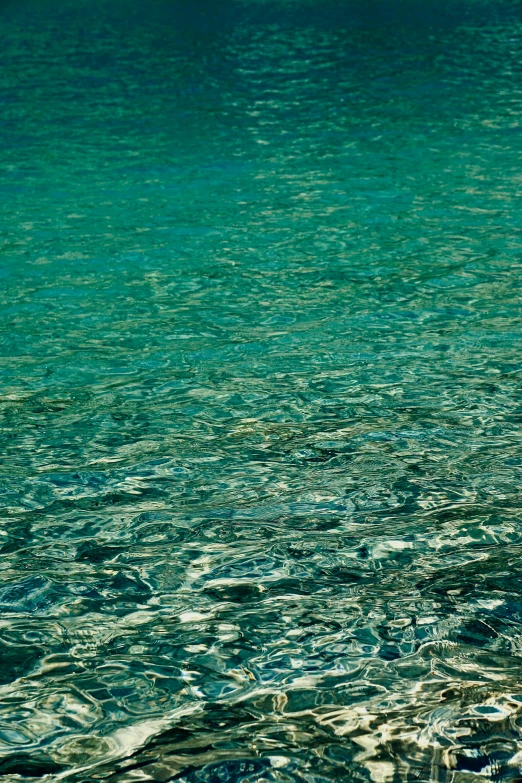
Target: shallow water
[[261, 402]]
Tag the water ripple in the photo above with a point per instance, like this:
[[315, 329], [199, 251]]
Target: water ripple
[[260, 287]]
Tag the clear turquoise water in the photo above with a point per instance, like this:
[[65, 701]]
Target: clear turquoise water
[[260, 391]]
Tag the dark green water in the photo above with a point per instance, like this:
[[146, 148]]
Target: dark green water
[[261, 401]]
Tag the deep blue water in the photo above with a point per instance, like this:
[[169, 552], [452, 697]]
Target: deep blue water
[[261, 391]]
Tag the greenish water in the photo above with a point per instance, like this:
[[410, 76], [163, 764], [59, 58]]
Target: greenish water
[[260, 391]]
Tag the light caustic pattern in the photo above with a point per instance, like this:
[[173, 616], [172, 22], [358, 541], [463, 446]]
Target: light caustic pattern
[[261, 404]]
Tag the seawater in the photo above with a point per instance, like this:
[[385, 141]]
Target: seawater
[[261, 391]]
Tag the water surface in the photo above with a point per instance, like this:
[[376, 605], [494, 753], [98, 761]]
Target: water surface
[[260, 391]]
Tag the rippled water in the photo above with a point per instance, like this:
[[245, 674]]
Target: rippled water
[[261, 402]]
